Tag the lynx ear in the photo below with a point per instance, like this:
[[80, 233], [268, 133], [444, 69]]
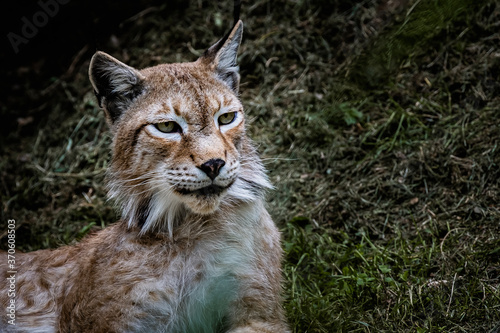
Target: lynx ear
[[222, 57], [115, 84]]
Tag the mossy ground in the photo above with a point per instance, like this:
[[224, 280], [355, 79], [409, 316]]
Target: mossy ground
[[378, 122]]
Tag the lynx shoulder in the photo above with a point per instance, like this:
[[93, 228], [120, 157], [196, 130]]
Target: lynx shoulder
[[195, 250]]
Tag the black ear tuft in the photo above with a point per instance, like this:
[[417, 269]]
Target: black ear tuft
[[236, 11], [115, 84]]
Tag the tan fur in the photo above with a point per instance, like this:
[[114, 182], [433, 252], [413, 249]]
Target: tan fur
[[187, 256]]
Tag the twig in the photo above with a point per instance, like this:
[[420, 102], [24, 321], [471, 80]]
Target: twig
[[75, 61], [444, 238]]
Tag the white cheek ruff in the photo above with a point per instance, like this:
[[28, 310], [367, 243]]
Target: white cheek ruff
[[164, 209], [251, 181], [154, 208]]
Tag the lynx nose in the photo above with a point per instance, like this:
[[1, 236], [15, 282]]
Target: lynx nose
[[212, 167]]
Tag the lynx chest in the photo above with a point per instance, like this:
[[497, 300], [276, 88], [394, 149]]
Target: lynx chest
[[197, 289]]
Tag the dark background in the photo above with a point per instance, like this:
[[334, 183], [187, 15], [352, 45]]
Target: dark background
[[70, 37]]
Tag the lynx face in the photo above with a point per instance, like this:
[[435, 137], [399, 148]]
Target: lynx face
[[179, 136], [186, 138]]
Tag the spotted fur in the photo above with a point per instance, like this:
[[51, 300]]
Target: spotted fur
[[195, 249]]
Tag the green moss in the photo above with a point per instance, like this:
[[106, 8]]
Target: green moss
[[420, 31]]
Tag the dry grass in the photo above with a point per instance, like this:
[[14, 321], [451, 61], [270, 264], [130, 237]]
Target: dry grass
[[378, 122]]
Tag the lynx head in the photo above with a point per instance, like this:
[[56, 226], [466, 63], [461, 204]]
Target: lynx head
[[179, 143]]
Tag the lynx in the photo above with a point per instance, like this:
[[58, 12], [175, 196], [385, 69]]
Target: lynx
[[195, 249]]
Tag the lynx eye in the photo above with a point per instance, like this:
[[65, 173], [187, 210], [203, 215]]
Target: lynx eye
[[168, 127], [227, 118]]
